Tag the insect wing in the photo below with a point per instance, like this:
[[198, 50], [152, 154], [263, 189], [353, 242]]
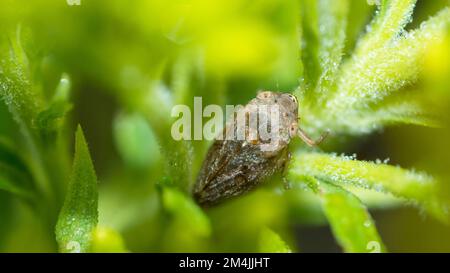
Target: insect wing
[[232, 169]]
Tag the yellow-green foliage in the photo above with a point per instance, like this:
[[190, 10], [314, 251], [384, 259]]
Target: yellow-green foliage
[[364, 93], [118, 68], [386, 59]]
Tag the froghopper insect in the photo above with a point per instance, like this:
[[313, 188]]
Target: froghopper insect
[[234, 166]]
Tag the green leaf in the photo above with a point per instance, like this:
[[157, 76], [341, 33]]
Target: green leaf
[[396, 112], [271, 242], [360, 13], [156, 104], [349, 219], [187, 212], [309, 42], [15, 87], [107, 240], [371, 77], [392, 17], [374, 199], [332, 22], [23, 100], [323, 37], [345, 171], [405, 112], [367, 80], [49, 121], [78, 216], [135, 140], [360, 103]]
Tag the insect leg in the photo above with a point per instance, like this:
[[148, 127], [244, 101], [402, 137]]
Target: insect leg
[[310, 141]]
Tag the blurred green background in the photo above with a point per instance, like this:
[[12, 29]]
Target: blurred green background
[[130, 61]]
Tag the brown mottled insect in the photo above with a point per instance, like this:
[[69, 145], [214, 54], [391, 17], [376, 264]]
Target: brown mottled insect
[[233, 167]]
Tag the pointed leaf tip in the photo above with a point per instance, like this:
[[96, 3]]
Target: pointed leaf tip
[[79, 214]]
